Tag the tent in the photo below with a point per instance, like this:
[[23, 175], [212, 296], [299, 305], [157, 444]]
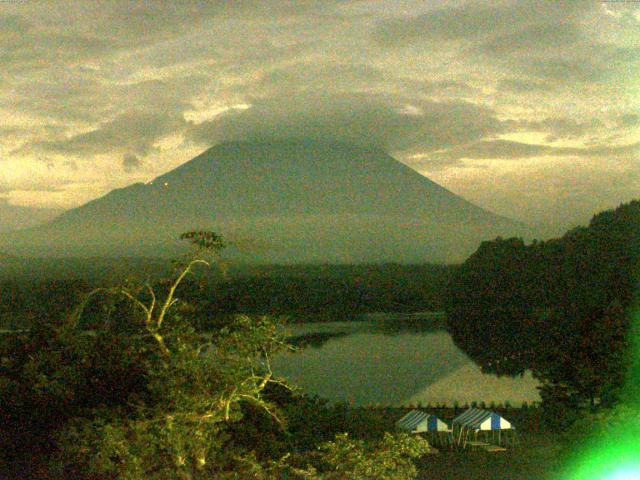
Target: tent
[[475, 423], [417, 421]]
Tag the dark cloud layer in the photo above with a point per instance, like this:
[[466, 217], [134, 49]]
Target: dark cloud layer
[[549, 41], [397, 124], [130, 162], [476, 19], [24, 47], [628, 120]]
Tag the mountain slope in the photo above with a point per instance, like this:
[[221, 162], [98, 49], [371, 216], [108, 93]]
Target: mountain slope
[[295, 201]]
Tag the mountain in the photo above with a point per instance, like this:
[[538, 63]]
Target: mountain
[[285, 201]]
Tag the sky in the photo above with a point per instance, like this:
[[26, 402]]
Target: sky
[[528, 108]]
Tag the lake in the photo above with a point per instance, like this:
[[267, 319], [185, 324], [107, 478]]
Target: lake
[[395, 360]]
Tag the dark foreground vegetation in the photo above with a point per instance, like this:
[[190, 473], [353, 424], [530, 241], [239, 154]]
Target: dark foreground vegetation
[[124, 386], [126, 382]]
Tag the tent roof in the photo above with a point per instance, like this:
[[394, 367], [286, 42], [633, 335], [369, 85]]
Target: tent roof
[[417, 421], [477, 419]]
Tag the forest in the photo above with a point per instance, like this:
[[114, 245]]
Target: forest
[[560, 308], [299, 292]]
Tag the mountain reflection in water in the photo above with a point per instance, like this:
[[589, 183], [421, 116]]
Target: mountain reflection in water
[[391, 359]]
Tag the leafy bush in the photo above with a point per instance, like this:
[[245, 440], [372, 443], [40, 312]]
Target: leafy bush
[[604, 421], [54, 373], [389, 459]]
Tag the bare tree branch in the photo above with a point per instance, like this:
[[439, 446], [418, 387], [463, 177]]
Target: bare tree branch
[[169, 300]]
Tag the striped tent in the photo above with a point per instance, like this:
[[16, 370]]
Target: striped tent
[[483, 428], [476, 419], [417, 421]]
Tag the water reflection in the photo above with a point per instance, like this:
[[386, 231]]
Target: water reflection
[[381, 360], [313, 339], [316, 334]]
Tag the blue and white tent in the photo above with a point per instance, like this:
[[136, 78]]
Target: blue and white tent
[[417, 421], [475, 423], [476, 419]]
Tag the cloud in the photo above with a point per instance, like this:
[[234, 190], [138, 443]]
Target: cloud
[[474, 20], [523, 85], [26, 47], [30, 186], [339, 78], [77, 95], [603, 151], [550, 41], [13, 137], [563, 70], [562, 52], [559, 192], [510, 150], [135, 20], [393, 124], [76, 29], [442, 23], [536, 37], [495, 149], [560, 127], [70, 95], [315, 76], [129, 132], [628, 120], [131, 162], [12, 25]]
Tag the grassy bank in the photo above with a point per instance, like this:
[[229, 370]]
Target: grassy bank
[[539, 456]]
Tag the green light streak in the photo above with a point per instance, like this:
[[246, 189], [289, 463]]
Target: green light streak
[[614, 454]]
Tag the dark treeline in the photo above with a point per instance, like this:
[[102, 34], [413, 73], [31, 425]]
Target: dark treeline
[[332, 291], [560, 308], [312, 292]]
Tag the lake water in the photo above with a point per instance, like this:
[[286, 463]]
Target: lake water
[[397, 360]]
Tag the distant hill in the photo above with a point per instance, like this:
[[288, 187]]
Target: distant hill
[[13, 217], [285, 201]]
